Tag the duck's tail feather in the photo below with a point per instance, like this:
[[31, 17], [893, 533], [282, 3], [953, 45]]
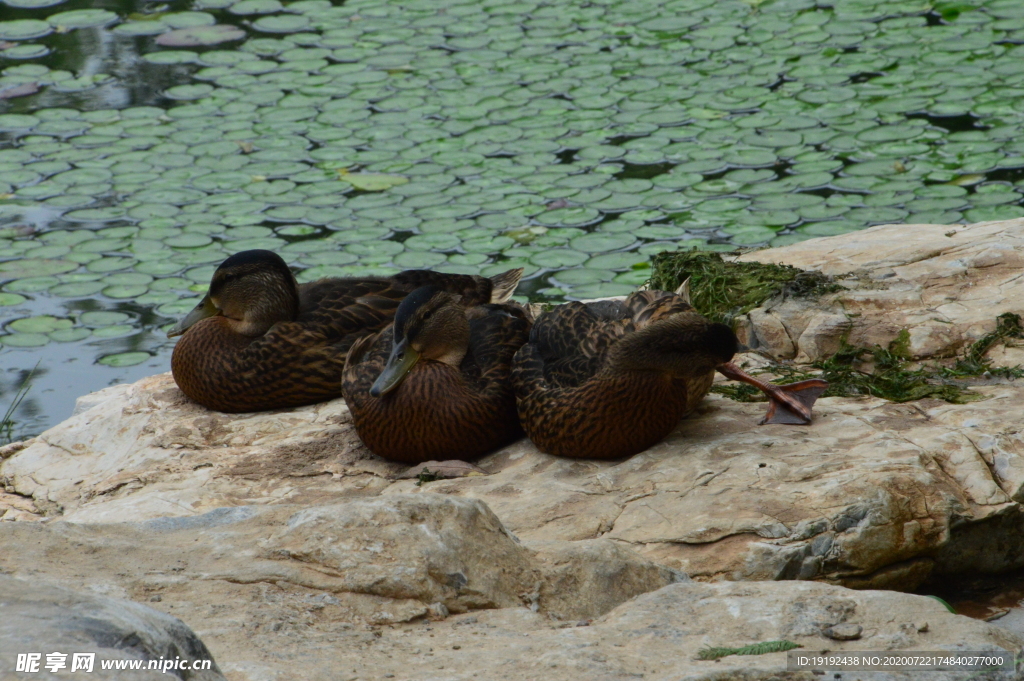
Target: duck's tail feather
[[504, 285]]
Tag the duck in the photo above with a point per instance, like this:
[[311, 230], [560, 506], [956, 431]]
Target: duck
[[609, 379], [435, 385], [259, 340]]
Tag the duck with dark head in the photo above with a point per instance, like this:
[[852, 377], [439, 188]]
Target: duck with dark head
[[259, 340], [607, 380], [435, 385]]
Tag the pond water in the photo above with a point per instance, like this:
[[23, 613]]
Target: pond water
[[143, 142], [994, 598]]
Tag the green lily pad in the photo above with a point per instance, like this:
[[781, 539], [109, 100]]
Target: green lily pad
[[188, 19], [281, 23], [25, 340], [185, 92], [568, 217], [139, 28], [31, 4], [558, 258], [256, 7], [196, 36], [10, 299], [601, 242], [24, 29], [26, 51], [602, 290], [374, 182], [78, 289], [40, 324], [419, 259], [582, 276], [124, 359], [95, 214], [69, 335], [115, 331], [82, 18], [98, 318], [33, 267]]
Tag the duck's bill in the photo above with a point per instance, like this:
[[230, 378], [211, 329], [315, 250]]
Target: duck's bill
[[403, 358], [204, 309]]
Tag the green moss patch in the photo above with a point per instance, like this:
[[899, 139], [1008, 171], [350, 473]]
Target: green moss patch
[[721, 290], [755, 649], [893, 377]]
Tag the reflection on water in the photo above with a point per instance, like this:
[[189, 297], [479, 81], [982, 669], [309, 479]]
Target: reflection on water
[[69, 373], [92, 51]]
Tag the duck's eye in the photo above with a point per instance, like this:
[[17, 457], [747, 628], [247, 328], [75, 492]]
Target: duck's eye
[[426, 315]]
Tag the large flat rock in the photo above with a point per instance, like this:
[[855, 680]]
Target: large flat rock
[[945, 284], [870, 494], [276, 629], [394, 558]]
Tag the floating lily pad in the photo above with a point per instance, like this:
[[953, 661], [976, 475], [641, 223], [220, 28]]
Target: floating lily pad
[[281, 23], [124, 359], [559, 258], [136, 28], [31, 4], [184, 92], [82, 18], [188, 19], [171, 57], [25, 340], [374, 182], [69, 335], [24, 29], [601, 242], [95, 214], [31, 267], [574, 216], [10, 299], [40, 324], [27, 51], [256, 7], [82, 289], [197, 36]]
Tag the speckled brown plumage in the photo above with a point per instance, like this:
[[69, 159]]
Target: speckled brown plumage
[[607, 380], [441, 411], [299, 357]]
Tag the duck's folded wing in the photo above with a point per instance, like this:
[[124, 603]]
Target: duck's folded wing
[[288, 366], [496, 332], [364, 363], [346, 309], [571, 341]]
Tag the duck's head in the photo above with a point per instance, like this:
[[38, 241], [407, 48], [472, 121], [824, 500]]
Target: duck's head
[[429, 324], [252, 290], [683, 345]]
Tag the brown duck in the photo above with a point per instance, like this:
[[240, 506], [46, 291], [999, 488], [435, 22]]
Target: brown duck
[[435, 385], [609, 379], [258, 340]]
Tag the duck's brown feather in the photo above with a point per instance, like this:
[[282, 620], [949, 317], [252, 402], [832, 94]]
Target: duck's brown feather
[[572, 405], [299, 362], [439, 411]]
